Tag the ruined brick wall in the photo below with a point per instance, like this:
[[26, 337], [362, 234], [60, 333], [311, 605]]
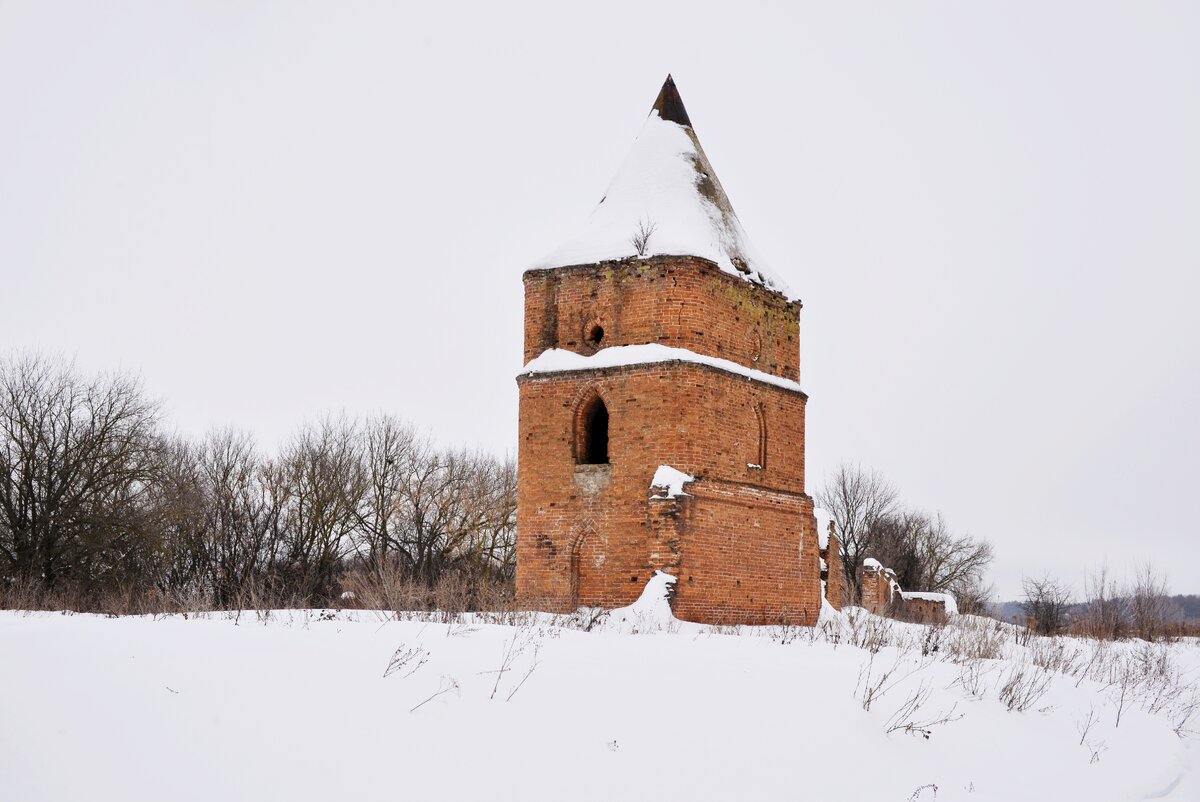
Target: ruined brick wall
[[743, 543], [881, 596], [835, 582], [876, 589], [678, 301], [742, 555], [922, 611]]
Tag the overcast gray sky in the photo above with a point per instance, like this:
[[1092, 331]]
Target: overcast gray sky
[[991, 210]]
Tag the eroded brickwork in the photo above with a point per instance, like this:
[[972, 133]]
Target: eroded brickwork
[[876, 583], [678, 301], [743, 542], [923, 611], [738, 552], [835, 580], [882, 595]]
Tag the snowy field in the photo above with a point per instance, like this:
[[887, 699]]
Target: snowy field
[[296, 705]]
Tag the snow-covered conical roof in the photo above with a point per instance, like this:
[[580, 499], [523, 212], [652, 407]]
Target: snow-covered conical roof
[[667, 194]]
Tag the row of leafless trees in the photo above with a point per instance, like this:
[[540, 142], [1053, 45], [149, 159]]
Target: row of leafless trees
[[1109, 610], [96, 498], [920, 547]]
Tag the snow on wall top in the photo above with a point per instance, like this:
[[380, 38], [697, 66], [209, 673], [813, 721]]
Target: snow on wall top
[[667, 193], [555, 360], [872, 563], [945, 598], [668, 482]]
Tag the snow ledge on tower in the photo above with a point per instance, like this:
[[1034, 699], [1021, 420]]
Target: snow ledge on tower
[[666, 201], [560, 360], [668, 482]]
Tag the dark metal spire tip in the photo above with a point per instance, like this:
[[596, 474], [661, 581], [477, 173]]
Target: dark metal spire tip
[[669, 104]]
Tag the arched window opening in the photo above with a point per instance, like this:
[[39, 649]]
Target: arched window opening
[[593, 450], [596, 334]]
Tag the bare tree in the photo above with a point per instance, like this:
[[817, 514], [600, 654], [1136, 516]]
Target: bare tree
[[919, 547], [456, 506], [641, 236], [240, 519], [77, 456], [495, 542], [857, 500], [324, 483], [388, 449], [926, 555], [99, 508], [1149, 604], [175, 513], [974, 595], [1105, 614], [1046, 602], [946, 561], [894, 539]]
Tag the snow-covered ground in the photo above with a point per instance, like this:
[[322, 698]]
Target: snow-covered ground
[[296, 705]]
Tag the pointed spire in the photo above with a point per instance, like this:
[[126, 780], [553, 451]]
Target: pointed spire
[[669, 104], [666, 187]]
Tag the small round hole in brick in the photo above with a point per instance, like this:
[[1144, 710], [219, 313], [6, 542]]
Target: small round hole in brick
[[596, 334]]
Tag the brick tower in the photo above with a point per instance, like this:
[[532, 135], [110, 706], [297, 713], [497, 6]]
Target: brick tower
[[661, 416]]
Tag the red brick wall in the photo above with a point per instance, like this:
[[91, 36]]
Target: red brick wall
[[923, 611], [679, 301], [698, 419], [876, 590], [744, 543], [835, 584], [747, 556]]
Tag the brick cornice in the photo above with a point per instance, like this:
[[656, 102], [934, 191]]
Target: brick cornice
[[637, 263]]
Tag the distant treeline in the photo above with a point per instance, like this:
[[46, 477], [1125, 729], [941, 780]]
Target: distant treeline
[[1180, 608], [101, 507]]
